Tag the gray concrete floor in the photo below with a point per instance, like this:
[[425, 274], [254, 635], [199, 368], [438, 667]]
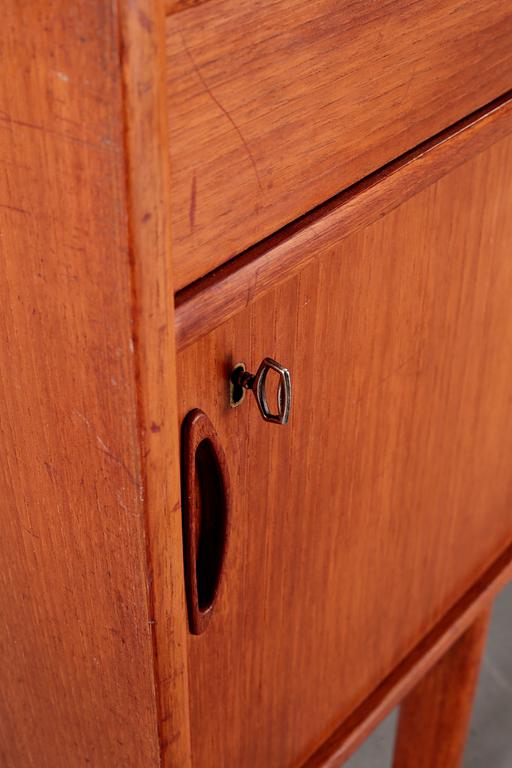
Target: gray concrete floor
[[489, 743]]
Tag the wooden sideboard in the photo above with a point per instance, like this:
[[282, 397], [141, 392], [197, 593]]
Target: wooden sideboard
[[188, 188]]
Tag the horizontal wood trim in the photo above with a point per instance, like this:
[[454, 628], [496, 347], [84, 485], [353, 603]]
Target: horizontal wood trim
[[349, 736], [223, 293]]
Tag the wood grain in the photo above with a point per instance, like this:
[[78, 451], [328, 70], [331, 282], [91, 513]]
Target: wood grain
[[350, 734], [206, 515], [173, 6], [77, 665], [234, 286], [357, 526], [147, 176], [275, 107], [434, 718]]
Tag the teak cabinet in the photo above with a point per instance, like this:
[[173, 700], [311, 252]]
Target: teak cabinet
[[187, 187], [358, 525]]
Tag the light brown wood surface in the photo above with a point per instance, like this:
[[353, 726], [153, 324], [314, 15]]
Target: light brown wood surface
[[355, 528], [434, 718], [76, 671], [205, 304], [276, 106], [147, 177], [351, 733]]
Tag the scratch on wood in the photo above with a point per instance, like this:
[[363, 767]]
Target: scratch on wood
[[14, 208], [5, 118], [27, 530], [222, 109], [124, 506], [82, 417], [384, 379], [192, 209], [108, 452]]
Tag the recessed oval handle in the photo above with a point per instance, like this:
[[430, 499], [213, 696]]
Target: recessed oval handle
[[206, 516]]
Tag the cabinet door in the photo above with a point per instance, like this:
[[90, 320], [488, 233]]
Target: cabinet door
[[357, 525]]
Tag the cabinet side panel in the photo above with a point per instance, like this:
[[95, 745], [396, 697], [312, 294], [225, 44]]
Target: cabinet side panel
[[76, 673]]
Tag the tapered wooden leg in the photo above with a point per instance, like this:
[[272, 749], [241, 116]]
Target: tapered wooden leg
[[434, 718]]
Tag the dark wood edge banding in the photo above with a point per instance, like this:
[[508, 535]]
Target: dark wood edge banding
[[173, 6], [353, 731], [197, 429], [223, 293]]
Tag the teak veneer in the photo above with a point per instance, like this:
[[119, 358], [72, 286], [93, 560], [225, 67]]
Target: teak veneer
[[345, 739], [276, 106], [187, 186], [355, 529], [76, 670]]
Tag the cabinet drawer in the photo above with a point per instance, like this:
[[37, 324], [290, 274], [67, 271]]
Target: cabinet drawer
[[356, 526], [276, 106]]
